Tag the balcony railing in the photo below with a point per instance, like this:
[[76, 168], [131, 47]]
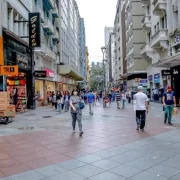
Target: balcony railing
[[160, 38], [159, 6], [48, 27], [146, 50], [55, 12], [146, 22]]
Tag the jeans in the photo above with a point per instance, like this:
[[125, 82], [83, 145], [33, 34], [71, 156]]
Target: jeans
[[118, 104], [168, 113], [141, 118], [66, 104], [77, 117], [91, 108], [59, 107], [123, 103]]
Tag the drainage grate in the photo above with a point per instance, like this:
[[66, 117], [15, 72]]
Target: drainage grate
[[46, 116], [26, 128]]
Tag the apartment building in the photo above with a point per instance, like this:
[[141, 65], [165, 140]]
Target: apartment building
[[162, 43], [88, 85], [70, 24]]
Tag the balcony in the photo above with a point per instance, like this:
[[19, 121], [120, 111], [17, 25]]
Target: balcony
[[160, 39], [55, 37], [159, 7], [146, 51], [55, 12], [48, 27], [38, 8], [48, 4], [146, 23], [145, 2]]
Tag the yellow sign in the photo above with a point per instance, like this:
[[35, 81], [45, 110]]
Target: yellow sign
[[1, 51], [9, 70]]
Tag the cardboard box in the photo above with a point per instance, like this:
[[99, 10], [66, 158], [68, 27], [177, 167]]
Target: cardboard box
[[8, 113]]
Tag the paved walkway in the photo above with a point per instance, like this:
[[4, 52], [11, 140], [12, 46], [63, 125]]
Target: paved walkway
[[39, 145]]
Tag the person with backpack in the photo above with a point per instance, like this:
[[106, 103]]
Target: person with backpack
[[76, 111], [169, 102]]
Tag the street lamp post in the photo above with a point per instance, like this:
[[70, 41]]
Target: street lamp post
[[103, 49]]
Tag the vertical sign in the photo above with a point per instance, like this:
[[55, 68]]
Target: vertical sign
[[1, 51], [34, 30]]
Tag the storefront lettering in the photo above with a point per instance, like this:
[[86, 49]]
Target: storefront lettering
[[175, 71], [22, 59], [34, 29]]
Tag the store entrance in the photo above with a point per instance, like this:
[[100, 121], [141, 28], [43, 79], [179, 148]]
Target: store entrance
[[177, 90]]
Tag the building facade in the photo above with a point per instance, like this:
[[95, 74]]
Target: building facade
[[83, 53], [88, 85], [59, 51], [69, 69]]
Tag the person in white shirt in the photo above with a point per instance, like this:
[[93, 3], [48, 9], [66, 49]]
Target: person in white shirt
[[141, 107]]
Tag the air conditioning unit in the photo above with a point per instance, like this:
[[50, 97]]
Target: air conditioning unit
[[175, 8]]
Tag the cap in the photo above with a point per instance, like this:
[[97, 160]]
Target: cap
[[140, 87], [169, 88]]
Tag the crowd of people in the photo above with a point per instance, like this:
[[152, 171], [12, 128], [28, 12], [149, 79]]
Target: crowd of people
[[76, 101]]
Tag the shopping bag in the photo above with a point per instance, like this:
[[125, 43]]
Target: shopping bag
[[175, 111]]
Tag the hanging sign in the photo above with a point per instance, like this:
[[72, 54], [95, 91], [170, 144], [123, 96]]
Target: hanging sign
[[34, 30]]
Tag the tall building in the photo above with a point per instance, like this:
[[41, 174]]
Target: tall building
[[161, 49], [83, 53], [70, 24], [88, 85], [59, 54]]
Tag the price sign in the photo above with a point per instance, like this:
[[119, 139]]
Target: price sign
[[9, 70]]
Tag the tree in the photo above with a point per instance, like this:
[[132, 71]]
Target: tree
[[96, 78]]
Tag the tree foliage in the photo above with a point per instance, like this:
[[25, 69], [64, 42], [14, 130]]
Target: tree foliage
[[96, 77]]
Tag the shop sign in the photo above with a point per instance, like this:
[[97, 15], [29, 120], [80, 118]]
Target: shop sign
[[9, 70], [40, 74], [175, 71], [150, 78], [166, 72], [175, 40], [143, 82], [34, 30], [21, 60], [49, 73], [157, 78], [1, 51]]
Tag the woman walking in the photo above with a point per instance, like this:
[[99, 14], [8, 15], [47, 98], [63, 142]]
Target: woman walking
[[76, 112], [66, 101]]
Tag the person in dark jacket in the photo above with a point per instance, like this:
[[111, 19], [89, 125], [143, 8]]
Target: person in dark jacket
[[66, 101]]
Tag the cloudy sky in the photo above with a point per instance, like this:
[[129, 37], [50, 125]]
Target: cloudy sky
[[97, 15]]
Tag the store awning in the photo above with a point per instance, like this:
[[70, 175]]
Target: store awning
[[70, 71], [134, 73], [169, 62]]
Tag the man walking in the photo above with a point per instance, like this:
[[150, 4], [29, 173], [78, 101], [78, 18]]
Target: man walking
[[169, 102], [141, 107], [118, 99], [91, 99]]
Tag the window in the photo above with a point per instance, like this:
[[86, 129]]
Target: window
[[163, 22], [155, 28]]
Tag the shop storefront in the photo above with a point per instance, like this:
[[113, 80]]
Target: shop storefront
[[176, 82], [157, 80], [17, 52]]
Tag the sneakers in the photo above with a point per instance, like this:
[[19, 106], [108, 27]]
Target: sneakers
[[81, 133], [74, 131], [138, 127], [170, 123]]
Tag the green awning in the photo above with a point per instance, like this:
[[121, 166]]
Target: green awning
[[70, 71]]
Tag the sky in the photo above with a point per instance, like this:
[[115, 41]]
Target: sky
[[97, 14]]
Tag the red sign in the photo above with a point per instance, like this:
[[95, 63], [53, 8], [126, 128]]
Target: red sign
[[49, 73]]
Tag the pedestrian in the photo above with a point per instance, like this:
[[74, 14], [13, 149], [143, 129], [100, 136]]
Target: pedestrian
[[85, 97], [141, 107], [59, 101], [76, 112], [95, 97], [169, 102], [66, 101], [54, 101], [123, 95], [91, 99], [118, 99], [63, 94]]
